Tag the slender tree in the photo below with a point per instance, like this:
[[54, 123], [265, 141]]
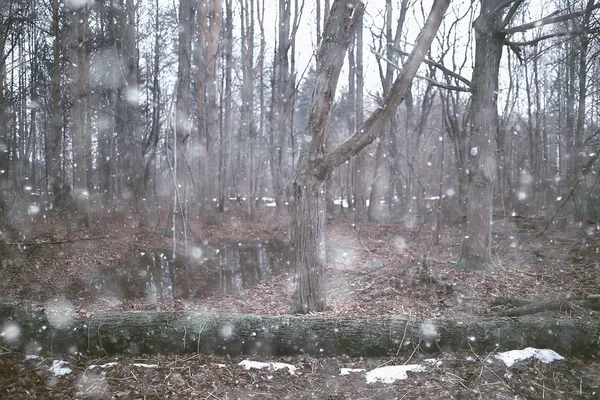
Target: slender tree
[[78, 57]]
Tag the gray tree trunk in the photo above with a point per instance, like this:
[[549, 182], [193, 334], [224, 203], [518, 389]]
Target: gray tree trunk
[[79, 98], [476, 249], [315, 166], [53, 146], [4, 132]]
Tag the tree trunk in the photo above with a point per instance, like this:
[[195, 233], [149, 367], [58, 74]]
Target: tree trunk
[[360, 163], [476, 249], [315, 166], [183, 120], [247, 126], [226, 131], [209, 25], [53, 156], [4, 133], [55, 331], [79, 98], [309, 188]]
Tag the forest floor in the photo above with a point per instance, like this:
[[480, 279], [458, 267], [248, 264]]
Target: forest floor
[[373, 270]]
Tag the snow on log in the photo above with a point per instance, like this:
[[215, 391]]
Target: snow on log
[[35, 328]]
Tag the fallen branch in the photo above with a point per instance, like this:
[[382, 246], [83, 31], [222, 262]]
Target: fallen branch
[[29, 325], [528, 308], [55, 241]]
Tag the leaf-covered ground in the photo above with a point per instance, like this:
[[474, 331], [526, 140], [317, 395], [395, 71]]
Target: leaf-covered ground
[[410, 276], [451, 376]]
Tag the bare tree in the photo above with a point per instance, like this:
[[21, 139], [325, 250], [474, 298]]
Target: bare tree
[[53, 158], [78, 57], [491, 31], [209, 26], [315, 165]]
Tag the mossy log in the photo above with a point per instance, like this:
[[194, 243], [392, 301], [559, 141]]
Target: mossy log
[[32, 327]]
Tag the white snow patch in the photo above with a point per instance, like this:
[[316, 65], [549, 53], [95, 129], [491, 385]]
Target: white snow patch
[[31, 357], [142, 365], [348, 371], [544, 355], [343, 202], [59, 368], [272, 366], [103, 366], [392, 373]]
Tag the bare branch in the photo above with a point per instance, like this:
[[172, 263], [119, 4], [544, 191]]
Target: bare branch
[[372, 127], [443, 85], [430, 80], [439, 66], [550, 20], [511, 13], [549, 36]]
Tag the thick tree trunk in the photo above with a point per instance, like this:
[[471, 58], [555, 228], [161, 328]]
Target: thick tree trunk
[[309, 240], [476, 250], [315, 166], [309, 188], [54, 330]]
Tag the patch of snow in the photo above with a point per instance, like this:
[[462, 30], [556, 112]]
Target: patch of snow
[[392, 373], [434, 197], [145, 365], [31, 357], [103, 366], [348, 371], [274, 366], [544, 355], [59, 368], [341, 201]]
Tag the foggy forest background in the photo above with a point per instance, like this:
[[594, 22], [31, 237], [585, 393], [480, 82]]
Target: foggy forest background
[[196, 107]]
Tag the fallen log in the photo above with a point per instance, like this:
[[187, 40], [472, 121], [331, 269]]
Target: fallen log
[[554, 305], [50, 329], [527, 307]]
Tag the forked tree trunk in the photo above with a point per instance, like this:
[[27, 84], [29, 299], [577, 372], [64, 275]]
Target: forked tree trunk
[[315, 166]]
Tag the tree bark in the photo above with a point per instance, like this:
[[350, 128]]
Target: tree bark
[[315, 166], [209, 25], [151, 332], [53, 170], [489, 40], [360, 164], [4, 132], [79, 98]]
